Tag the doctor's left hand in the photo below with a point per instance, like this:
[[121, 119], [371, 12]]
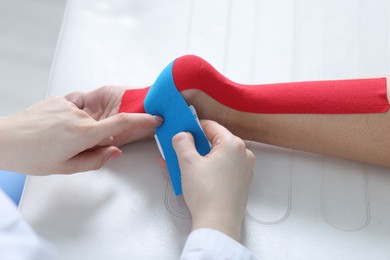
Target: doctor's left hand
[[56, 137]]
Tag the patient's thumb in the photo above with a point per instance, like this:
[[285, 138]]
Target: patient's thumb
[[184, 146]]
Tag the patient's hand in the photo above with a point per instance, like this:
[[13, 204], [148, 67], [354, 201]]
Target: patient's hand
[[55, 136], [216, 186], [103, 103]]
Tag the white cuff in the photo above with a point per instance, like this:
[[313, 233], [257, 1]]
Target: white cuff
[[206, 243]]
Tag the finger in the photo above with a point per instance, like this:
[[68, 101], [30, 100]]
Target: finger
[[76, 98], [166, 173], [184, 146], [92, 159], [106, 142], [215, 132], [161, 162], [250, 155], [125, 122]]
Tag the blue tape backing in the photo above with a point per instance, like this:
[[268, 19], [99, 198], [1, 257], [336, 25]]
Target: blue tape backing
[[163, 99]]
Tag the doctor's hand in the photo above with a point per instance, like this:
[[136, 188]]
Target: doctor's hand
[[55, 136], [103, 103], [216, 186]]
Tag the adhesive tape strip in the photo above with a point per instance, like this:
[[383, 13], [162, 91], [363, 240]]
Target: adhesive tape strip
[[163, 99], [352, 96]]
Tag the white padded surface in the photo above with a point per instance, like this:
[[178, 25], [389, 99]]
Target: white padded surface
[[301, 205]]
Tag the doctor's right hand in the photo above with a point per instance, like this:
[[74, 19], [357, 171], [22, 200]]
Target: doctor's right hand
[[216, 186], [55, 136]]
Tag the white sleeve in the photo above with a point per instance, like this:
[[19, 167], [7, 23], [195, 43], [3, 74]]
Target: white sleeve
[[17, 239], [208, 244]]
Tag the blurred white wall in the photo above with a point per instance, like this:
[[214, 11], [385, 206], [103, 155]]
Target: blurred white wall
[[28, 35]]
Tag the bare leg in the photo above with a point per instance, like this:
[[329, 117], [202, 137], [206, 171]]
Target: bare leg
[[360, 137]]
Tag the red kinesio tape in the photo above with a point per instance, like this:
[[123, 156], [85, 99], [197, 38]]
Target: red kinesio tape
[[352, 96]]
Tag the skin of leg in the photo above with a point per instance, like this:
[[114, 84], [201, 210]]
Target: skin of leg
[[360, 137]]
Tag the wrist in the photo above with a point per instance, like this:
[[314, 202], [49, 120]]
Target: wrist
[[225, 223], [208, 108]]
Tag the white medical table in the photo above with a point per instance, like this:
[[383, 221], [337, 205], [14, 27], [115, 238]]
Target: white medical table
[[301, 205]]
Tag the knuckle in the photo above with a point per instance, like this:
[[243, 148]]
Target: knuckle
[[179, 137], [122, 118], [238, 144], [104, 88], [83, 129]]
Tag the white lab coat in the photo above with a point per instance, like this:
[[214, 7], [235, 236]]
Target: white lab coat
[[19, 242], [17, 239]]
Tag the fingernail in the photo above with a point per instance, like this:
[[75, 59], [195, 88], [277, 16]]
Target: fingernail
[[115, 155], [159, 119]]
